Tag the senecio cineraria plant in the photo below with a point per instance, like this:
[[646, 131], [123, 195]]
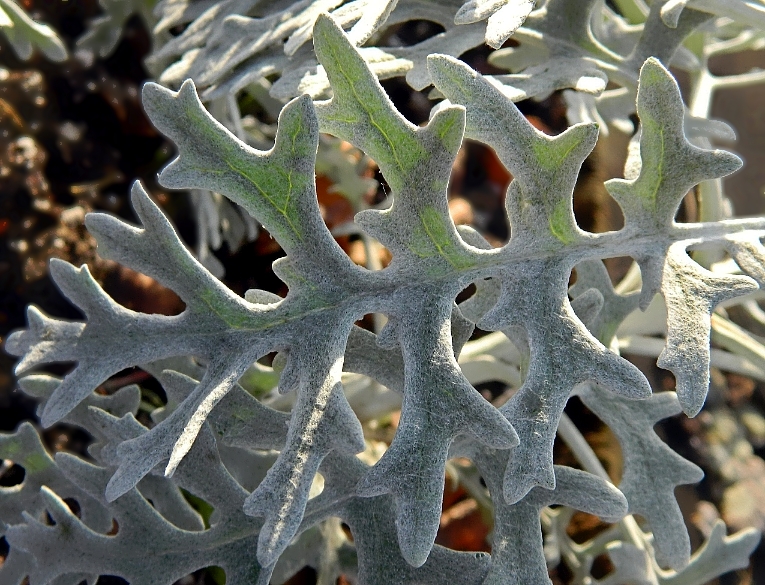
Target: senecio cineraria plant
[[280, 483]]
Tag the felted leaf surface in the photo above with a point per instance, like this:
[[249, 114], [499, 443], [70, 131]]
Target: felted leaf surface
[[563, 73], [172, 13], [198, 29], [455, 40], [740, 10], [517, 555], [719, 554], [284, 200], [225, 49], [652, 470], [238, 38], [230, 542], [612, 308], [24, 448], [70, 546], [504, 17], [174, 436], [236, 42], [392, 507], [123, 401], [691, 292], [566, 29], [311, 78], [669, 166], [17, 565], [87, 415], [659, 41], [372, 523], [544, 169], [439, 403], [232, 536]]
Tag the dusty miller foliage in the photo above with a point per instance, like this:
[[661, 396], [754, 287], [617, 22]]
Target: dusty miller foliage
[[25, 35], [259, 468]]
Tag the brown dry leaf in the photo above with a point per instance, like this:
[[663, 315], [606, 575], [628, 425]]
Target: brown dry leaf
[[141, 293], [461, 211], [739, 389], [462, 528]]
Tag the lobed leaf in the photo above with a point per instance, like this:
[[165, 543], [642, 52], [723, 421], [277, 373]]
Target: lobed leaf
[[670, 164], [392, 508], [24, 34], [517, 555], [691, 292], [439, 403], [652, 470], [504, 17]]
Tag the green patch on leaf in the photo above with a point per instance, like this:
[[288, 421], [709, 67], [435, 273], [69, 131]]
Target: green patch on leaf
[[233, 316], [438, 242], [361, 107], [276, 186], [35, 463], [551, 154], [560, 222]]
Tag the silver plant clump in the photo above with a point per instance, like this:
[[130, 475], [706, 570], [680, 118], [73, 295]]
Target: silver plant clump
[[282, 471]]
